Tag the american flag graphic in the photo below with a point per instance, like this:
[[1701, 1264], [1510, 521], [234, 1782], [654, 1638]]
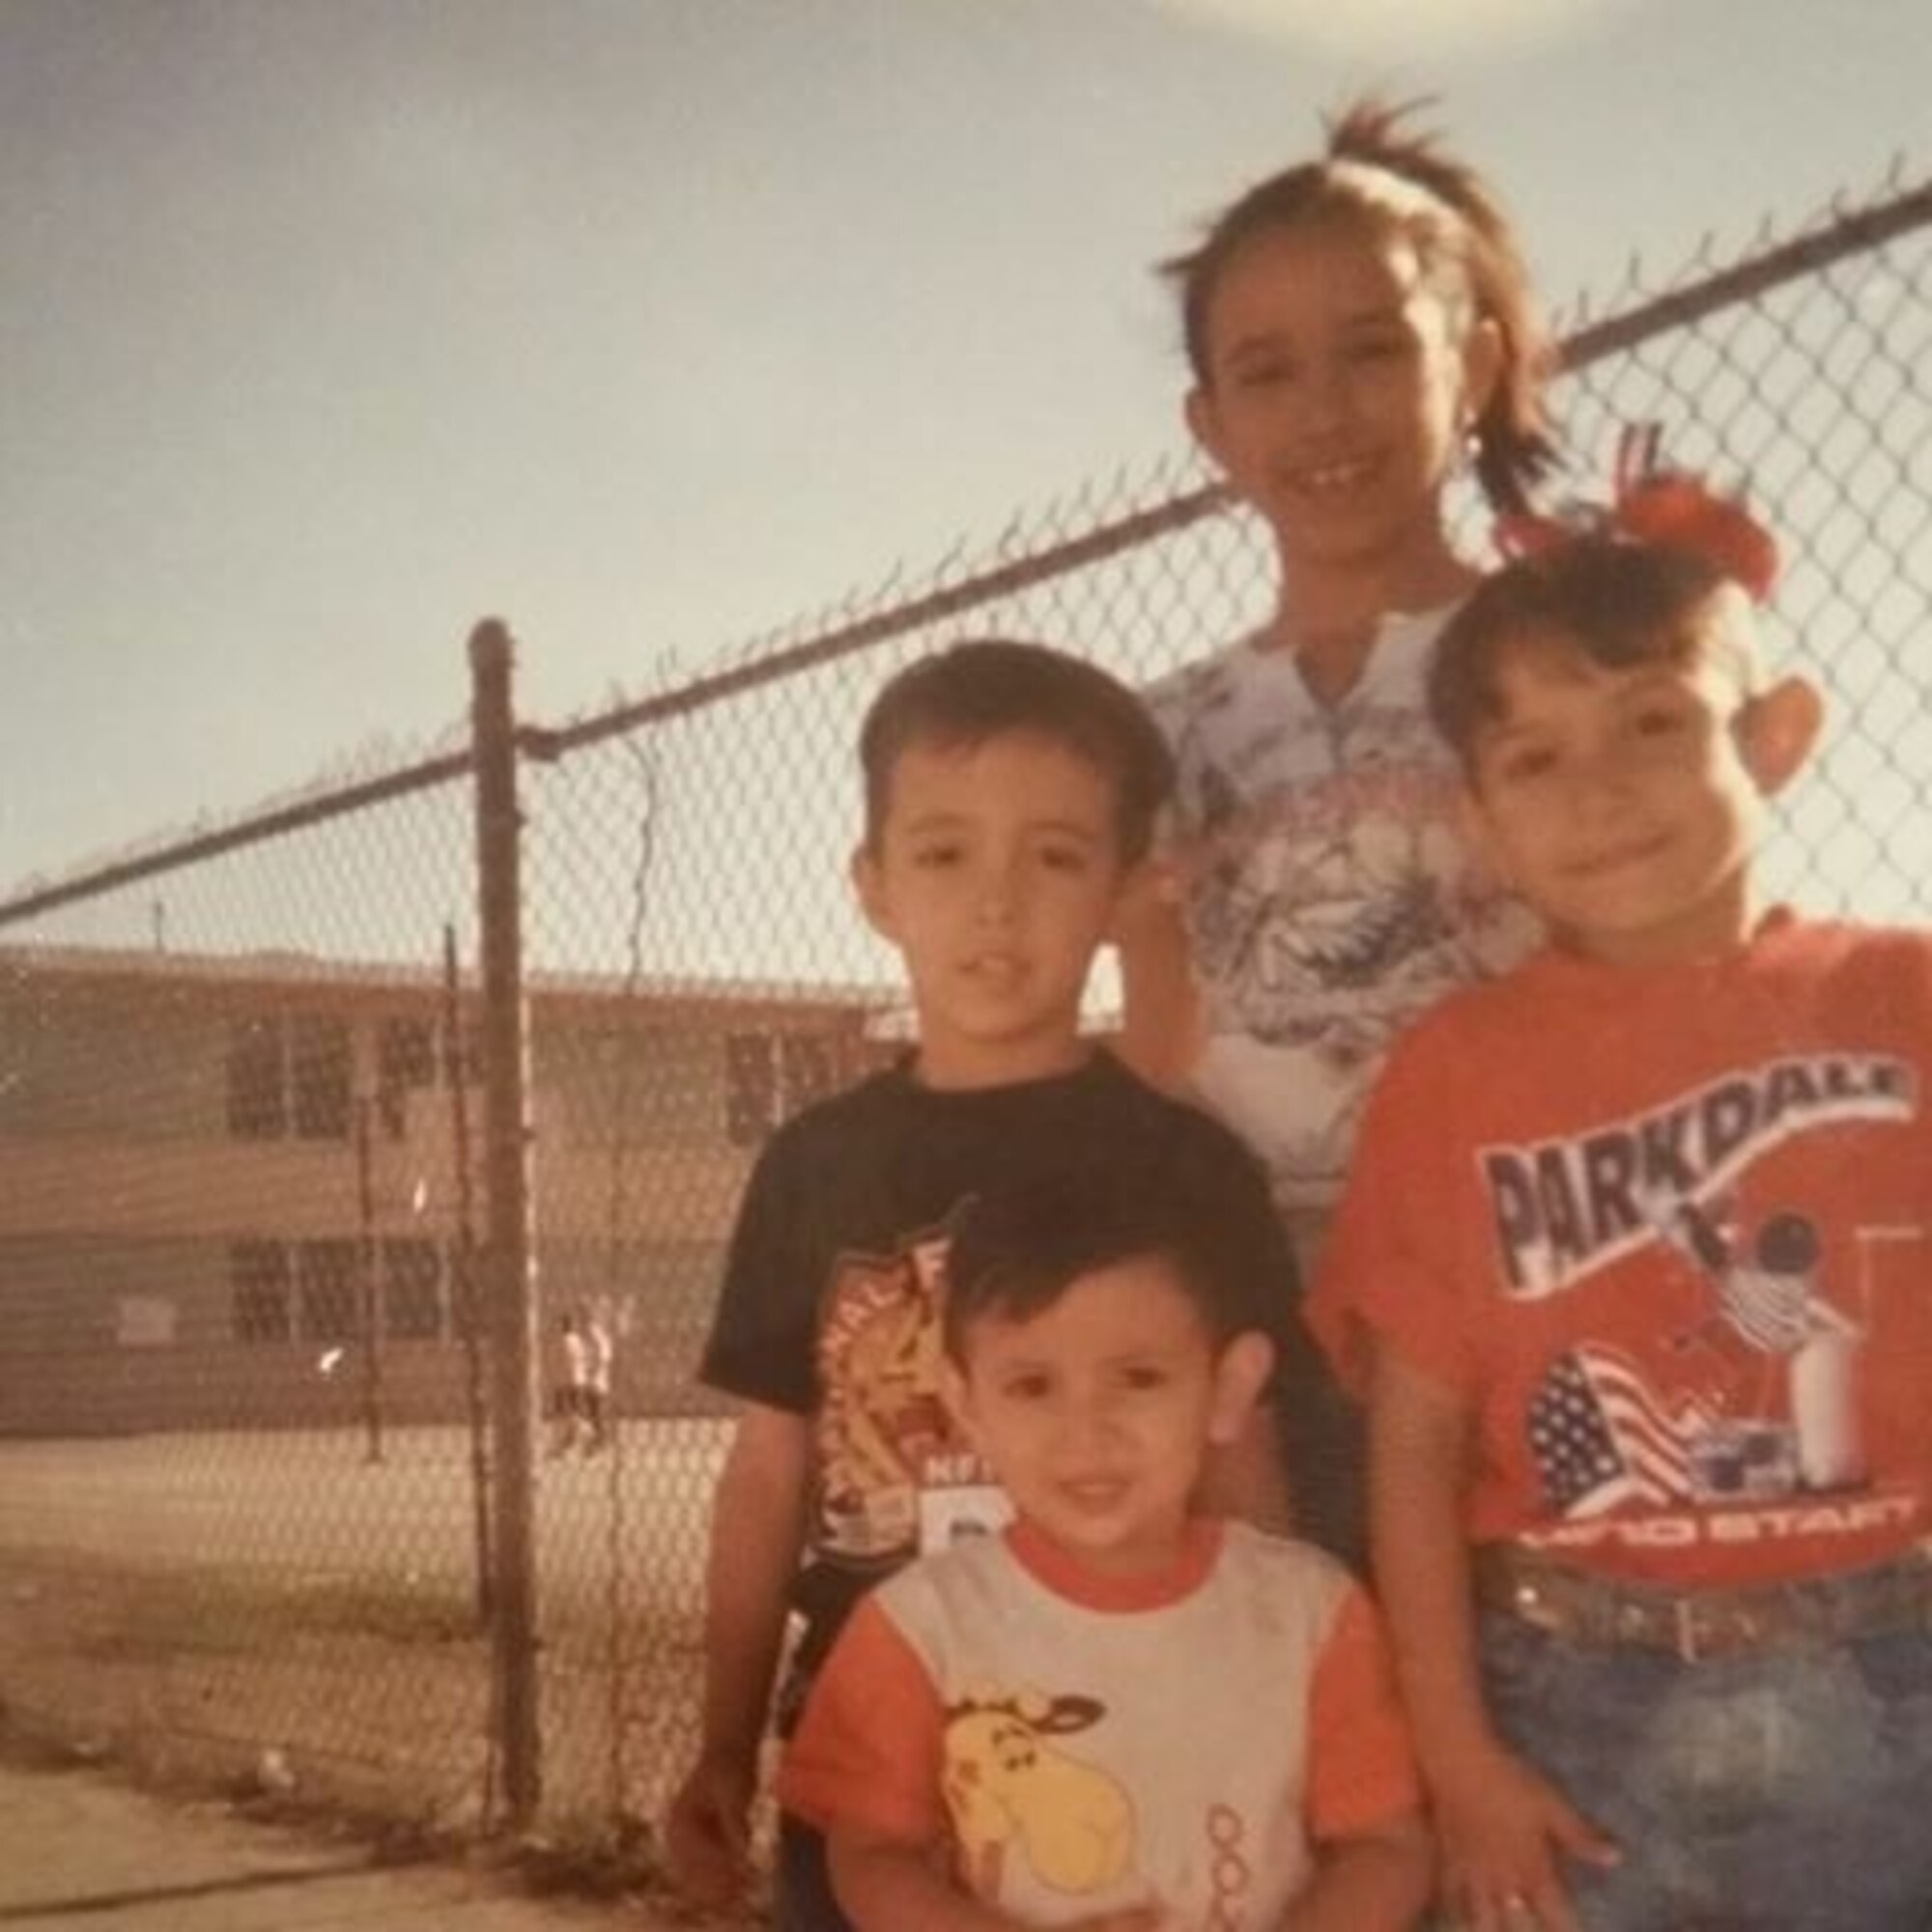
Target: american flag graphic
[[1602, 1438]]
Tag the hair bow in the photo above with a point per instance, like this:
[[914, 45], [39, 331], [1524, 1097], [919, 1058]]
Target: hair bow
[[1653, 504]]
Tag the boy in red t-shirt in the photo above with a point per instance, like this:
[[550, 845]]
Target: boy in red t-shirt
[[1634, 1264], [1118, 1714]]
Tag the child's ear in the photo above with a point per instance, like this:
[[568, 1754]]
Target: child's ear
[[1777, 730], [868, 886], [1472, 821], [1239, 1377], [1203, 424], [1482, 370], [1143, 891]]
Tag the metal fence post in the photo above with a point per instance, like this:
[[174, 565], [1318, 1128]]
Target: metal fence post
[[467, 1311], [509, 1288]]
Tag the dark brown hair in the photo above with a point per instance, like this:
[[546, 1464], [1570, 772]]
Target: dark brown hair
[[983, 688], [1620, 602], [1377, 174], [1017, 1251]]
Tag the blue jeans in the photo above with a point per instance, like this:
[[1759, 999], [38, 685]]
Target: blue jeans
[[1789, 1791], [802, 1887]]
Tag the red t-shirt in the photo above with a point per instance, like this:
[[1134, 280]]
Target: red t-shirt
[[1667, 1233]]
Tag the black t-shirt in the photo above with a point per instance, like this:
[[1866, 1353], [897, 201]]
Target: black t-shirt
[[829, 1311]]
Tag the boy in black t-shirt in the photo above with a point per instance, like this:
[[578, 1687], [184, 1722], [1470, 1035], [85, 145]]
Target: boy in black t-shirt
[[1011, 794]]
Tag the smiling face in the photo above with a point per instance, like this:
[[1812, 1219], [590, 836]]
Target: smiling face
[[1339, 380], [1097, 1411], [1624, 803], [996, 871]]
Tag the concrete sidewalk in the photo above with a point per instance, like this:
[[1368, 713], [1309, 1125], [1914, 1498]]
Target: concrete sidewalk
[[80, 1852]]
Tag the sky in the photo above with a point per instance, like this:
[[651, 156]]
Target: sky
[[329, 327]]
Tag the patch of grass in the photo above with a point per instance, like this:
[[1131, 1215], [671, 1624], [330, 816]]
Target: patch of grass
[[404, 1612], [171, 1629], [211, 1614]]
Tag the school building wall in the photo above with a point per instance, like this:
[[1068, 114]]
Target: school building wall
[[211, 1172]]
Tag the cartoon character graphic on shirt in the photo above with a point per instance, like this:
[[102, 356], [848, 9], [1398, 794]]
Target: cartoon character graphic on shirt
[[1768, 1298], [1010, 1791], [1325, 915], [888, 1442], [1768, 1404]]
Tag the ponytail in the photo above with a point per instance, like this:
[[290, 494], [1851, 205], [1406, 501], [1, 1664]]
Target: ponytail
[[1512, 436]]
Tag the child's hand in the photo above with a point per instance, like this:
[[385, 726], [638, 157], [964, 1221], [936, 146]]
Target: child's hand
[[1135, 1918], [1161, 1009], [1151, 899], [1503, 1829], [705, 1834]]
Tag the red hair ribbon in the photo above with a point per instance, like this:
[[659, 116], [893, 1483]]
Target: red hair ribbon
[[1657, 505]]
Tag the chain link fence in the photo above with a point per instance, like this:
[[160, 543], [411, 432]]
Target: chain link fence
[[276, 1472]]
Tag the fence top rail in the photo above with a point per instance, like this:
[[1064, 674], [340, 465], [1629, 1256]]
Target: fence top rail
[[1848, 232], [249, 831], [1845, 232]]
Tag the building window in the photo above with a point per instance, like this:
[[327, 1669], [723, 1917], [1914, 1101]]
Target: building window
[[404, 1064], [809, 1070], [771, 1076], [751, 1088], [258, 1277], [288, 1077], [466, 1293], [329, 1285], [319, 1077], [256, 1106], [411, 1290]]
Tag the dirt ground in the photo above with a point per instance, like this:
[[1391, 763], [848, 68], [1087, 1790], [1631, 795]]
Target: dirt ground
[[86, 1840], [272, 1613]]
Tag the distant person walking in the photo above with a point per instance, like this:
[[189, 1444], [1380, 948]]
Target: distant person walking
[[582, 1399]]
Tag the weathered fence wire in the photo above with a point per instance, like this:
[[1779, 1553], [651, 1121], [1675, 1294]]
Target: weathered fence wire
[[254, 1492]]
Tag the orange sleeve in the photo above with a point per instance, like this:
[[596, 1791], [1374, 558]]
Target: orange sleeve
[[866, 1749], [1387, 1264], [1361, 1763]]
